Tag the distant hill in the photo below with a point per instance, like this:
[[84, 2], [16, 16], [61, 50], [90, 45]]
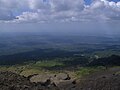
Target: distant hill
[[113, 60]]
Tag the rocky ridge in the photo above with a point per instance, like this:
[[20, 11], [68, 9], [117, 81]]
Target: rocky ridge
[[107, 80]]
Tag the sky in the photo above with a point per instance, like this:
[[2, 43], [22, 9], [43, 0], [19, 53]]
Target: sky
[[45, 14]]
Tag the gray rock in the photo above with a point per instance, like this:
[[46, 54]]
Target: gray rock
[[63, 76], [41, 78]]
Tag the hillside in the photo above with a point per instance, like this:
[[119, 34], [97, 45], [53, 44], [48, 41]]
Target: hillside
[[105, 80], [101, 73]]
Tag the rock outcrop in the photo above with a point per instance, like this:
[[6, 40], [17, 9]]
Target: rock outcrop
[[109, 80], [13, 81]]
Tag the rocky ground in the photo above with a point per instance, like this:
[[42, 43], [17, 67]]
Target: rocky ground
[[105, 80]]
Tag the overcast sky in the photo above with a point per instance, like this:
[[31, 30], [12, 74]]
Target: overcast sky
[[80, 15]]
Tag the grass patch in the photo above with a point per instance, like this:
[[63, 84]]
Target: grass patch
[[32, 68], [48, 64], [84, 71]]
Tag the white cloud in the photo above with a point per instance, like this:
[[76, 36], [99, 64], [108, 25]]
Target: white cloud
[[58, 10], [38, 4], [65, 5], [103, 9]]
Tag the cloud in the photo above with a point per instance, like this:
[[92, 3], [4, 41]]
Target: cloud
[[38, 4], [104, 9], [52, 10], [58, 10], [6, 15]]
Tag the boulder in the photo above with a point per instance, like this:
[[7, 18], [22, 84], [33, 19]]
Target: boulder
[[41, 78], [62, 76], [13, 81]]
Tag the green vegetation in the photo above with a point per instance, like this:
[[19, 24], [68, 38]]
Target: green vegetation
[[41, 67], [105, 53], [83, 71], [31, 68], [48, 64], [78, 66]]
